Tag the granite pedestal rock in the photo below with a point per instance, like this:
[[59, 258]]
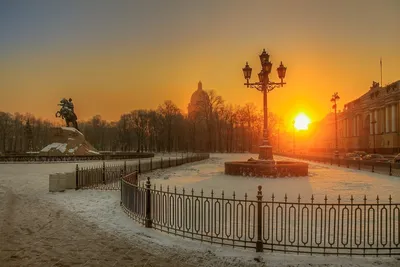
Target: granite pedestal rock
[[68, 141]]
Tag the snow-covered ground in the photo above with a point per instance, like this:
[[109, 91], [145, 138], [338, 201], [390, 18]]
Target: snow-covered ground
[[88, 227], [323, 180]]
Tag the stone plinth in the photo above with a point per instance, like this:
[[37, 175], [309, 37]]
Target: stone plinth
[[265, 153], [267, 168], [67, 141]]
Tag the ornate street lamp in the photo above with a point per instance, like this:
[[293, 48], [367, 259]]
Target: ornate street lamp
[[334, 99], [265, 86]]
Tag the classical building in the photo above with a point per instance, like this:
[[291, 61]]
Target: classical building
[[198, 130], [198, 99], [372, 120]]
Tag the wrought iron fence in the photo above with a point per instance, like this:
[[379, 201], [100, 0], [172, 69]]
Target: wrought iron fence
[[388, 168], [107, 176], [341, 227]]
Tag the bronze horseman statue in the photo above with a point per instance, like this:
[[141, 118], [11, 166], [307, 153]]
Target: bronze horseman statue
[[67, 112]]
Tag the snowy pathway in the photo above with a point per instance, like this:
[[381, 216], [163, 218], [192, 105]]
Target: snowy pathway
[[88, 228], [36, 231]]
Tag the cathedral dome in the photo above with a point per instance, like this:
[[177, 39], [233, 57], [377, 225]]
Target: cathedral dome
[[198, 97]]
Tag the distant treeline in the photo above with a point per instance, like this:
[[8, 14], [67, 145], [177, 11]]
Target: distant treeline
[[214, 127]]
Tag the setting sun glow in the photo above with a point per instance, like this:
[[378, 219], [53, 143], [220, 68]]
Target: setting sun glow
[[301, 122]]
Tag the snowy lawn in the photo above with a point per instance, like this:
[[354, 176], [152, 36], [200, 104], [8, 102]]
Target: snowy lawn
[[322, 180], [99, 212]]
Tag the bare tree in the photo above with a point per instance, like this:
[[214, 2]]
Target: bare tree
[[169, 112], [208, 108], [250, 116]]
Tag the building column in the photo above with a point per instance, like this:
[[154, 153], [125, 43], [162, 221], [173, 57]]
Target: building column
[[356, 124], [353, 128], [394, 117], [349, 127], [370, 120], [376, 120], [387, 119]]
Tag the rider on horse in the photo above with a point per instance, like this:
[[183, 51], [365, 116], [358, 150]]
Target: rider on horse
[[67, 112]]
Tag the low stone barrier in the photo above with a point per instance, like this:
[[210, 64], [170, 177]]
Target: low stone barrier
[[59, 182], [259, 169]]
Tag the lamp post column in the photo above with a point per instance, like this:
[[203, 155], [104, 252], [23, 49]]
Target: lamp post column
[[265, 86], [265, 148], [336, 135], [265, 141], [334, 99]]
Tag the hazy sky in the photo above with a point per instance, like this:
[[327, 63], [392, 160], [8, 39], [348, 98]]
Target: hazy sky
[[115, 56]]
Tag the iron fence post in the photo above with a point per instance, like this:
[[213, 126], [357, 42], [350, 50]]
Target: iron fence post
[[76, 177], [140, 171], [120, 181], [259, 243], [390, 169], [124, 167], [148, 221], [104, 172], [373, 167]]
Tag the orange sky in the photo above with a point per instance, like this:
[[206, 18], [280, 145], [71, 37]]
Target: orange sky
[[110, 62]]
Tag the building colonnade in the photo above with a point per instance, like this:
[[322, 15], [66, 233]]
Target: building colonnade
[[386, 119], [386, 122]]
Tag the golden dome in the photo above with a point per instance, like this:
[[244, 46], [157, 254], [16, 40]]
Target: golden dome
[[198, 97]]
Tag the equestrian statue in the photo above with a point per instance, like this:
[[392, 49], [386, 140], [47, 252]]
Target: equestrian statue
[[67, 113]]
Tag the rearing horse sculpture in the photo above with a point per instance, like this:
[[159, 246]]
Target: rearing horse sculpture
[[67, 114]]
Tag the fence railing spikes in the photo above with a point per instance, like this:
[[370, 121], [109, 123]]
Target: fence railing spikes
[[338, 228]]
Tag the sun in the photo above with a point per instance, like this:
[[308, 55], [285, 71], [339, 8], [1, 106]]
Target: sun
[[301, 122]]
